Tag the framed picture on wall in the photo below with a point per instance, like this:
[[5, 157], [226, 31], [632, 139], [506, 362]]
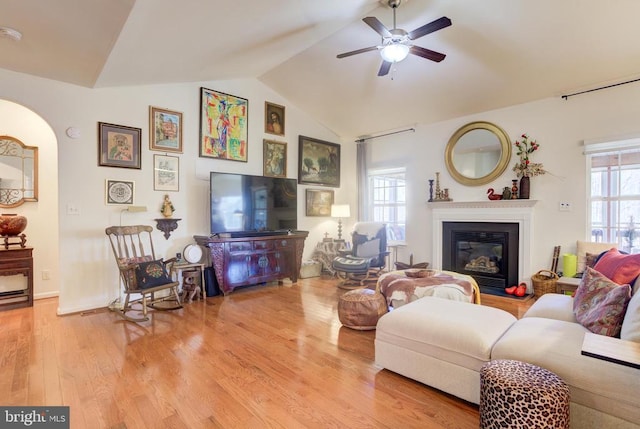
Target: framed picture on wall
[[273, 119], [318, 202], [119, 192], [165, 130], [166, 173], [118, 146], [224, 122], [318, 162], [274, 158]]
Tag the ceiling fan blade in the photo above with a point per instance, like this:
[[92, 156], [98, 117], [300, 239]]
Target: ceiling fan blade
[[436, 25], [384, 68], [357, 51], [426, 53], [378, 26]]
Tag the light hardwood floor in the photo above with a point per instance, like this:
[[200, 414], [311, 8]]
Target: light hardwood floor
[[266, 356]]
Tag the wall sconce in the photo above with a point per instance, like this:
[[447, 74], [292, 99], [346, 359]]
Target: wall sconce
[[340, 211], [132, 209]]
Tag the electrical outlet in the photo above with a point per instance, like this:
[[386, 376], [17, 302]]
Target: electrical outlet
[[564, 206], [46, 275], [73, 210]]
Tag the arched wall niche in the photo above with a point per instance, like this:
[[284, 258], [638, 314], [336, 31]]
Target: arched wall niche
[[42, 216]]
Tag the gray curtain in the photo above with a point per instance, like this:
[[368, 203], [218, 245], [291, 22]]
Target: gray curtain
[[363, 183]]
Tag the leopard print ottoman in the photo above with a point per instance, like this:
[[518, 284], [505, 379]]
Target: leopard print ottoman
[[520, 395]]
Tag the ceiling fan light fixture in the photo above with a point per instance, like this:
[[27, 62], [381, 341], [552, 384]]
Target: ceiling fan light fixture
[[394, 53], [10, 33]]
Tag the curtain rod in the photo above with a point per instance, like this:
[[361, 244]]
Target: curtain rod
[[362, 140], [566, 97]]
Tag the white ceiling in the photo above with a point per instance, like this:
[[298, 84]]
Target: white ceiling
[[499, 52]]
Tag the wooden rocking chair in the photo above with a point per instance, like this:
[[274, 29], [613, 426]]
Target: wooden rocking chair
[[140, 271]]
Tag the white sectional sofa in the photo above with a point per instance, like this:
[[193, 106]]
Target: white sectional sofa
[[444, 343]]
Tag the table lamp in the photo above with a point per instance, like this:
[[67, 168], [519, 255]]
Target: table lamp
[[340, 211]]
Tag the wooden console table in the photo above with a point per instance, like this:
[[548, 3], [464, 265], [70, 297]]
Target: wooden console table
[[15, 262], [253, 260]]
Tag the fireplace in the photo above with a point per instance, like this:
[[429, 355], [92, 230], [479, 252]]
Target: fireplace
[[487, 251], [519, 212]]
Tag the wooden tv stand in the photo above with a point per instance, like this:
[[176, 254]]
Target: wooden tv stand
[[252, 260]]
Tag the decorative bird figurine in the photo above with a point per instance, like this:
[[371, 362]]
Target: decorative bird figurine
[[493, 196]]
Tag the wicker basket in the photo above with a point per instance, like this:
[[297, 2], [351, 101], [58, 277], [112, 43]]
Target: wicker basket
[[544, 281]]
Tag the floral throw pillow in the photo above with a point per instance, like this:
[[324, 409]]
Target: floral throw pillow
[[151, 274], [600, 304], [127, 263], [591, 259], [619, 267]]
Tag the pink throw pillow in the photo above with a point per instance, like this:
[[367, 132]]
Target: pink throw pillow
[[618, 267], [600, 304]]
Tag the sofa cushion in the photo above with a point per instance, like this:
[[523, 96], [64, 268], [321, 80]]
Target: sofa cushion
[[584, 247], [619, 267], [556, 345], [600, 304], [630, 330], [458, 332], [553, 306]]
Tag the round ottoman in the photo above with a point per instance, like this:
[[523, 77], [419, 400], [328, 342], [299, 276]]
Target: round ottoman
[[516, 394], [361, 308]]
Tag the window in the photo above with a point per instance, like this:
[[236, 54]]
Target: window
[[615, 198], [387, 201]]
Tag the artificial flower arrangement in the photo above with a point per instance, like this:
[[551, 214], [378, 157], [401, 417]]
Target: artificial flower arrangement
[[524, 167]]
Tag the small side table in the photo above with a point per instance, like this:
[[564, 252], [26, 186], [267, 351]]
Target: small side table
[[394, 252], [180, 266], [567, 285]]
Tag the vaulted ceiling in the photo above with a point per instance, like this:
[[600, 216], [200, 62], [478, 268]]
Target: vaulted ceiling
[[499, 52]]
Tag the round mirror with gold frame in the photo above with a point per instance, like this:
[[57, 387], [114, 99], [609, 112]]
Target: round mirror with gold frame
[[477, 153]]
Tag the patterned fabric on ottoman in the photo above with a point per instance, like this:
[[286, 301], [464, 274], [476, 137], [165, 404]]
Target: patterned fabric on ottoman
[[361, 309], [516, 394]]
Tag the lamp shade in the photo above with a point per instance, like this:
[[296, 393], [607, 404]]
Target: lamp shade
[[394, 52], [340, 210]]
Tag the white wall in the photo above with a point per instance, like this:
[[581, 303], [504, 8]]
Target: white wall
[[560, 126], [87, 275]]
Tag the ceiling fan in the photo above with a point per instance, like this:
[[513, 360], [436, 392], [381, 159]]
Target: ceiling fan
[[396, 43]]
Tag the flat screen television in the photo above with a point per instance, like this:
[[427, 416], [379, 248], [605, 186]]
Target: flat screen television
[[244, 205]]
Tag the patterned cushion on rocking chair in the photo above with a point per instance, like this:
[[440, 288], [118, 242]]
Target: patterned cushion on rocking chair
[[151, 274], [351, 264]]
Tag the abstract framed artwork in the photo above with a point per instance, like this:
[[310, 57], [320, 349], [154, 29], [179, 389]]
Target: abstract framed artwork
[[224, 121], [318, 162], [119, 192], [274, 158], [166, 173], [118, 146], [274, 119], [318, 202], [165, 130]]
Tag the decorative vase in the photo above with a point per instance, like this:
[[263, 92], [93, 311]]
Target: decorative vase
[[506, 193], [524, 187], [514, 189], [12, 224]]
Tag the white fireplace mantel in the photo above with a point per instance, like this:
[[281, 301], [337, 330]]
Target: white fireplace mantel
[[508, 211]]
